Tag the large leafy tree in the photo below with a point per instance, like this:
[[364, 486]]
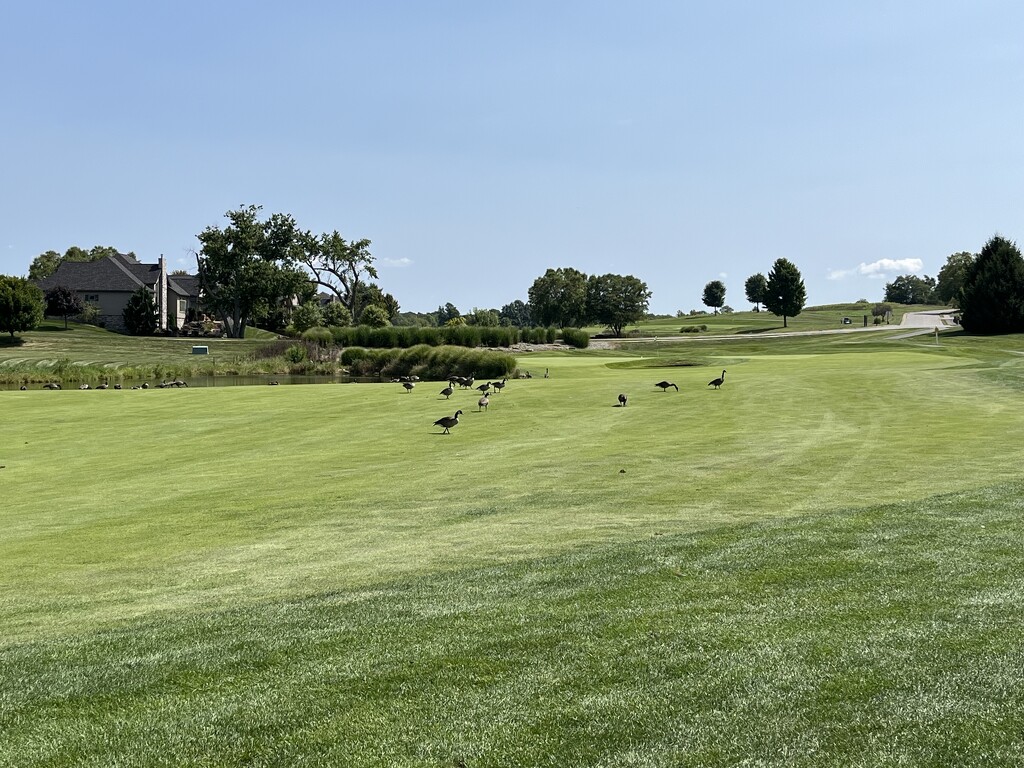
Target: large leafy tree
[[992, 296], [559, 297], [140, 314], [340, 266], [951, 276], [447, 313], [61, 301], [616, 301], [370, 294], [247, 269], [911, 289], [45, 264], [755, 288], [516, 313], [785, 295], [21, 305], [714, 295]]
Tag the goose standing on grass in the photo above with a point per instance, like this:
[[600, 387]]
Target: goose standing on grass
[[499, 385], [716, 383], [408, 386], [665, 385], [483, 402], [447, 391], [622, 400], [448, 422], [484, 387]]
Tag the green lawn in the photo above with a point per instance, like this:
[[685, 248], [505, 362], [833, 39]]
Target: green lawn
[[815, 318], [817, 564], [90, 345]]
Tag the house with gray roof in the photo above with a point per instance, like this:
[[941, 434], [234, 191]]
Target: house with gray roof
[[109, 282]]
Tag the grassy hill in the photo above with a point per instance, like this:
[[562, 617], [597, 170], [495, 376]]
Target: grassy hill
[[817, 564]]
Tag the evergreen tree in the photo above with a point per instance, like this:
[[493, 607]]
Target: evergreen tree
[[140, 318], [992, 295], [785, 295]]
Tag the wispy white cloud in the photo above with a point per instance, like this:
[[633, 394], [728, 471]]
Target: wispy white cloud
[[880, 268], [403, 262]]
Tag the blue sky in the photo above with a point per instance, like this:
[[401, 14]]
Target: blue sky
[[478, 144]]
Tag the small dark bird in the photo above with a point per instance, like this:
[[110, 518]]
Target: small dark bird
[[273, 383], [622, 400], [716, 383], [448, 422], [408, 385], [117, 386], [499, 385], [483, 402], [485, 386], [665, 385], [145, 385], [23, 387], [104, 385], [447, 392]]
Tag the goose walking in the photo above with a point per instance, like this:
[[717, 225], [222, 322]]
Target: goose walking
[[716, 383], [622, 400], [483, 402], [447, 392], [499, 385], [448, 422], [408, 386], [665, 385]]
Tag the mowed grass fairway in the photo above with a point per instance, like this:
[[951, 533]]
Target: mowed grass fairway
[[818, 564]]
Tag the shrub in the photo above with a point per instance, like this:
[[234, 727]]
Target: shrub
[[295, 354], [318, 335], [306, 316], [576, 337], [336, 313]]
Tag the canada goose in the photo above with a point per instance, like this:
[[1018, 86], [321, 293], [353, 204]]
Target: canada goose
[[83, 386], [117, 386], [179, 383], [273, 383], [51, 385], [665, 385], [408, 385], [485, 386], [622, 400], [23, 387], [499, 385], [483, 402], [104, 385], [716, 383], [448, 422], [447, 392]]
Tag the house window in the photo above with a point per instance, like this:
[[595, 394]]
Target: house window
[[182, 307], [93, 297]]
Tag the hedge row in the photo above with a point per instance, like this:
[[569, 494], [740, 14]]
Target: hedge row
[[427, 362], [452, 335]]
